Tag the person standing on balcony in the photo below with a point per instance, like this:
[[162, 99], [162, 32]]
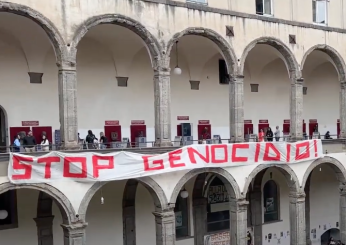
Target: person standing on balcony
[[90, 140], [44, 143], [277, 133], [16, 143], [261, 136], [29, 142], [269, 134]]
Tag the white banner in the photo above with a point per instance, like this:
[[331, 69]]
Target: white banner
[[90, 167]]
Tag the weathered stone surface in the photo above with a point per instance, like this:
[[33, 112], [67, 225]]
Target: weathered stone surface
[[165, 227], [296, 109], [74, 234], [342, 213], [44, 230], [236, 108], [343, 109], [297, 218], [238, 217]]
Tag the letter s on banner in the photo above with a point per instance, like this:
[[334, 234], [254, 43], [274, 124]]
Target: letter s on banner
[[22, 166]]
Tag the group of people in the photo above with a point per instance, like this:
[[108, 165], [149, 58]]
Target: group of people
[[29, 143], [91, 142], [269, 135]]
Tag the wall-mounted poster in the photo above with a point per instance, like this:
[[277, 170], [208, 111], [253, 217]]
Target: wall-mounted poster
[[178, 219], [269, 205]]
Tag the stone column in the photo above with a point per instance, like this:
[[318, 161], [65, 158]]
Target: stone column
[[74, 234], [165, 227], [68, 101], [256, 211], [162, 94], [238, 217], [307, 211], [343, 110], [129, 225], [296, 110], [236, 108], [200, 220], [342, 213], [297, 219], [44, 230]]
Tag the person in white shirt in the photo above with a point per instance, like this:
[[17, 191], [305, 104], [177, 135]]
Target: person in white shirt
[[277, 133], [45, 143]]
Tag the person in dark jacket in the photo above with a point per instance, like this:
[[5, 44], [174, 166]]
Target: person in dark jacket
[[90, 139], [16, 143], [269, 134], [29, 142]]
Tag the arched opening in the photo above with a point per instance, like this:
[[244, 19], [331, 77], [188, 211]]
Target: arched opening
[[334, 233], [29, 53], [322, 182], [102, 209], [270, 191], [114, 65], [268, 67], [206, 62], [35, 211], [323, 69], [214, 200]]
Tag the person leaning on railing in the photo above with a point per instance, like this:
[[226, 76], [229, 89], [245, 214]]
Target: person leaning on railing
[[16, 143], [29, 142]]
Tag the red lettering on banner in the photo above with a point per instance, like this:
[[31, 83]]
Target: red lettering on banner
[[288, 153], [192, 151], [19, 166], [159, 164], [97, 167], [48, 161], [302, 155], [235, 147], [175, 156], [224, 154], [67, 164], [266, 157], [258, 150]]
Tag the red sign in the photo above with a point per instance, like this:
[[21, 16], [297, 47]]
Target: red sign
[[137, 122], [313, 121], [263, 121], [287, 121], [30, 123], [112, 123], [203, 122], [92, 167], [183, 118], [248, 121]]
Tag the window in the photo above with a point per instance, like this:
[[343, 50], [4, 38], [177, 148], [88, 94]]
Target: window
[[223, 76], [264, 7], [270, 201], [319, 10], [181, 217], [8, 210], [218, 207], [197, 1]]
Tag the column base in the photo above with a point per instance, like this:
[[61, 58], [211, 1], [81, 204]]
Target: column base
[[163, 143], [70, 146], [296, 138]]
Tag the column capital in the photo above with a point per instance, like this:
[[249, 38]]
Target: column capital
[[74, 229], [343, 84], [236, 78], [342, 190], [299, 81], [297, 197], [162, 71], [164, 214]]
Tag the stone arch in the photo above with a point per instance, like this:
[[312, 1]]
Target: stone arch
[[67, 211], [337, 166], [230, 183], [150, 41], [154, 189], [52, 32], [337, 59], [288, 56], [226, 49], [258, 173]]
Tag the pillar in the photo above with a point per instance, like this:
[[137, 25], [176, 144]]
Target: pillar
[[236, 108], [129, 224], [307, 211], [343, 110], [256, 211], [68, 103], [342, 213], [74, 234], [162, 94], [238, 217], [200, 219], [44, 230], [297, 218], [296, 109], [165, 227]]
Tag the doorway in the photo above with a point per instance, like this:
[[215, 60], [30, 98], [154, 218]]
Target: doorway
[[3, 129], [333, 232]]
